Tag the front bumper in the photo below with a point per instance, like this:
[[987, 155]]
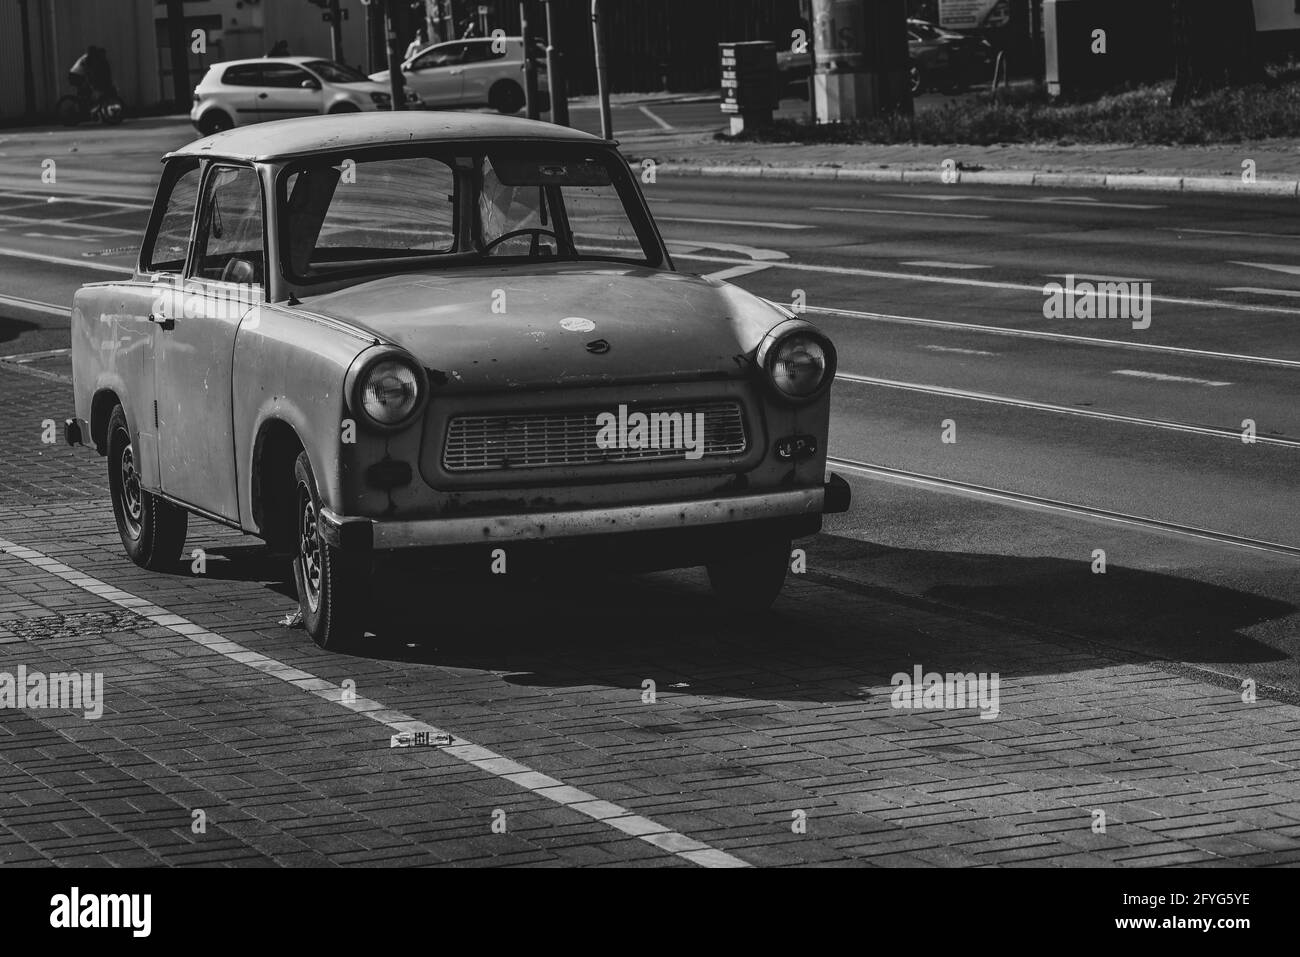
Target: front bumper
[[365, 534]]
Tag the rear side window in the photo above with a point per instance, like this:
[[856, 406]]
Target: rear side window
[[284, 75], [172, 241], [243, 75], [480, 52]]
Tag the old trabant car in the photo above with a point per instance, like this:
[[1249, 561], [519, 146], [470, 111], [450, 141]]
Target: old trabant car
[[365, 336]]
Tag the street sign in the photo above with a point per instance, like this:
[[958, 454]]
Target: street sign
[[748, 79]]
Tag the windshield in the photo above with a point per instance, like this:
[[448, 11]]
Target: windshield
[[345, 216], [335, 72]]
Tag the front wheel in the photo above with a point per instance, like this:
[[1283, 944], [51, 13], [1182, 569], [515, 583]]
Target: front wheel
[[152, 529], [69, 111], [506, 97], [333, 586], [749, 581], [111, 111]]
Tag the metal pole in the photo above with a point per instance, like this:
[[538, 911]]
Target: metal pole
[[602, 81], [336, 30], [29, 79], [555, 69], [395, 82], [530, 69]]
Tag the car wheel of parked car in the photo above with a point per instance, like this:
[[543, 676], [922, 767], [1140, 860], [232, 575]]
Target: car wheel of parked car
[[749, 581], [214, 121], [345, 108], [152, 529], [332, 585], [506, 97], [69, 111], [914, 79]]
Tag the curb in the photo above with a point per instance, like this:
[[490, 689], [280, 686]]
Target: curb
[[1225, 185]]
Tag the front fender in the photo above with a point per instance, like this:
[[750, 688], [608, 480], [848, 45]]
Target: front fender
[[289, 367]]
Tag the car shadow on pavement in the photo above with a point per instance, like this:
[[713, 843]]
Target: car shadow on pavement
[[13, 328], [1161, 615]]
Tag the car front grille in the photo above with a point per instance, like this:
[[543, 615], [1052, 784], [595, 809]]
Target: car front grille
[[481, 443]]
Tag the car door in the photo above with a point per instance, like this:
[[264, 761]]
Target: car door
[[240, 86], [483, 67], [437, 74], [224, 278], [288, 91]]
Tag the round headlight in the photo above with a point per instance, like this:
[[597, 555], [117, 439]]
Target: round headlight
[[798, 365], [389, 391]]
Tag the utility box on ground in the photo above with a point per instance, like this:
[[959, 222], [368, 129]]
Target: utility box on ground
[[749, 83]]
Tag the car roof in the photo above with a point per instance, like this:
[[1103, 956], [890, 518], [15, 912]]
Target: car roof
[[280, 139], [269, 59]]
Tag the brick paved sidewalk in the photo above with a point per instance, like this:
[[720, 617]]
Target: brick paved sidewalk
[[752, 730]]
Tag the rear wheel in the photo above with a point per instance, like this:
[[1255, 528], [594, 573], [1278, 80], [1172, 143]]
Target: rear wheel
[[215, 121], [506, 97], [111, 111], [914, 79], [333, 586], [749, 581], [152, 529], [345, 108]]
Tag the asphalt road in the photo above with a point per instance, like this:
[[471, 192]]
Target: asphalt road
[[1072, 436]]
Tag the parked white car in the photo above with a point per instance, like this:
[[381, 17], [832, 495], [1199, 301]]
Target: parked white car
[[477, 72], [239, 92]]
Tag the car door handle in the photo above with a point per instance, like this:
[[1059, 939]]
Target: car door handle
[[162, 321]]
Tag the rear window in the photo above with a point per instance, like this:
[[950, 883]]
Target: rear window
[[243, 75]]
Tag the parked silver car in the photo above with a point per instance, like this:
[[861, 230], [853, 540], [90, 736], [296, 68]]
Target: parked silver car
[[486, 71], [239, 92]]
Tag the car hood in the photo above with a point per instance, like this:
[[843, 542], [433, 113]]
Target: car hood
[[493, 329]]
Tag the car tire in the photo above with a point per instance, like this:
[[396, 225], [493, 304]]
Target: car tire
[[215, 121], [915, 80], [344, 108], [333, 586], [506, 97], [749, 581], [152, 529]]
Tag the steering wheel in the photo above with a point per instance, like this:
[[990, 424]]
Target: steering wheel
[[537, 232]]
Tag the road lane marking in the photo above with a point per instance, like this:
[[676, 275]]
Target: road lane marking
[[905, 477], [1084, 201], [46, 307], [659, 121], [936, 264], [1092, 277], [1029, 404], [67, 261], [979, 283], [33, 356], [72, 198], [735, 271], [1258, 291], [965, 352], [753, 252], [732, 222], [1227, 232], [488, 761], [1050, 336], [1287, 268], [1162, 377], [898, 212]]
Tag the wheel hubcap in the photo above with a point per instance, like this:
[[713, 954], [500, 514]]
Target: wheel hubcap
[[309, 549], [132, 498]]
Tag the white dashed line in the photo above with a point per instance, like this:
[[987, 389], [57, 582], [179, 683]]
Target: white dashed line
[[897, 212], [964, 352], [1162, 377], [935, 264], [736, 271], [732, 222], [1258, 291], [486, 760]]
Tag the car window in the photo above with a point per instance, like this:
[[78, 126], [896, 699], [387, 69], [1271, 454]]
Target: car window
[[481, 52], [246, 74], [283, 75], [230, 226], [376, 215], [378, 209], [172, 241], [336, 72], [445, 55]]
